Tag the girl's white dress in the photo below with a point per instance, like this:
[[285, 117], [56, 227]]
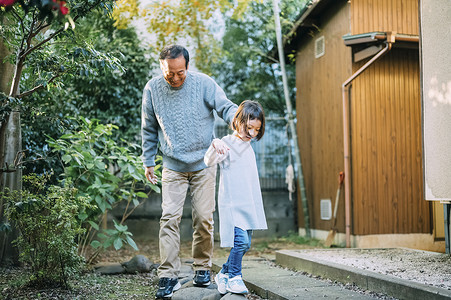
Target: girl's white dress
[[240, 201]]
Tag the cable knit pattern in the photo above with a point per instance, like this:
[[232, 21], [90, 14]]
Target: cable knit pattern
[[183, 120]]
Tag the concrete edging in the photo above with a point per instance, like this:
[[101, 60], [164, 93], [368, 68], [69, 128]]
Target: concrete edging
[[390, 285]]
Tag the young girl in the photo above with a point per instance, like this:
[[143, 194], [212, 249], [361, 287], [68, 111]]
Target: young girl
[[239, 200]]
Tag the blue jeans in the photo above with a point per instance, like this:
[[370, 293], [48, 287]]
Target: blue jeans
[[241, 244]]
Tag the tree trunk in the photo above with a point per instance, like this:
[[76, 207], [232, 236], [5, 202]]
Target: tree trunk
[[10, 145]]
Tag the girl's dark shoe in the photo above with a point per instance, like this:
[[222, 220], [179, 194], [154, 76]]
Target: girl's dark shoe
[[202, 278], [166, 288]]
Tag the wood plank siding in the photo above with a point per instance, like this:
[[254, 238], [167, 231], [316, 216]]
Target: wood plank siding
[[386, 151], [384, 15], [385, 119], [319, 112]]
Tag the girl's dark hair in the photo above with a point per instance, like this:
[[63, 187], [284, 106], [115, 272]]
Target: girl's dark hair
[[249, 110], [174, 51]]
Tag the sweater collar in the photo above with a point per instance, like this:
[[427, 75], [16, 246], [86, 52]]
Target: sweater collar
[[171, 88]]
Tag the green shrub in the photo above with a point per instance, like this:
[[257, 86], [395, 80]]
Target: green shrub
[[107, 174], [48, 228]]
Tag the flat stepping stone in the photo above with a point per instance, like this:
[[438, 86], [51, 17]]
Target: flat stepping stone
[[190, 292]]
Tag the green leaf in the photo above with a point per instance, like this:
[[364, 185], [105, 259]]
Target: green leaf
[[102, 206], [141, 194], [111, 232], [94, 225], [82, 216], [121, 228], [118, 243], [67, 136], [108, 243], [136, 176], [156, 188], [77, 159], [132, 243], [67, 158], [103, 236], [100, 165], [95, 244]]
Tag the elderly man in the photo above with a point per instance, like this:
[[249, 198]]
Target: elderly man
[[177, 117]]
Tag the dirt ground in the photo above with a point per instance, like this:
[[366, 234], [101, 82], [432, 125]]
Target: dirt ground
[[149, 248]]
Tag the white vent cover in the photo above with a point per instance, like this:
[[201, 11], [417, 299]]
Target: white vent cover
[[326, 209], [319, 47]]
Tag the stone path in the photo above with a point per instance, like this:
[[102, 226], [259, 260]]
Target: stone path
[[267, 278], [189, 292], [267, 281]]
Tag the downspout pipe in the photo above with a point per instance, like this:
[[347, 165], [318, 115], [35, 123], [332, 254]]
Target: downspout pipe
[[346, 132]]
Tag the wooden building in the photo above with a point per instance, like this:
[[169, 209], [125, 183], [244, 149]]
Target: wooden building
[[359, 111]]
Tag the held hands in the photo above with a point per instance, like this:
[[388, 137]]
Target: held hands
[[220, 147], [150, 175]]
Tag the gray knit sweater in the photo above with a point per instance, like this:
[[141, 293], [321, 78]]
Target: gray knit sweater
[[180, 120]]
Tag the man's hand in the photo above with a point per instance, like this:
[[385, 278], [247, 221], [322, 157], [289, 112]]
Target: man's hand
[[220, 146], [150, 175]]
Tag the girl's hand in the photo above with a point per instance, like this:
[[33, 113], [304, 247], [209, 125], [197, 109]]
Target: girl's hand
[[220, 146]]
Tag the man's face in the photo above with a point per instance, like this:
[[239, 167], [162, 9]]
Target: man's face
[[174, 70]]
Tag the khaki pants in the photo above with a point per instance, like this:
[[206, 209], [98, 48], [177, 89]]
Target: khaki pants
[[174, 189]]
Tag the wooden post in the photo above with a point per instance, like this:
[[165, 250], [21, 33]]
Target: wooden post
[[291, 118]]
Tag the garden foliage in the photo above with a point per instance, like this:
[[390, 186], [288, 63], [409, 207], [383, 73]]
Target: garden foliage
[[112, 96], [91, 70], [45, 217], [107, 174]]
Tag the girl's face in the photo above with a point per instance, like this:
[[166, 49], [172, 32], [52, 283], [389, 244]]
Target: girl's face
[[251, 131]]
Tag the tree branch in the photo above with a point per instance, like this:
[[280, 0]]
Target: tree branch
[[56, 32], [29, 50], [15, 14], [31, 33], [21, 21], [41, 27], [29, 92], [88, 9], [22, 53]]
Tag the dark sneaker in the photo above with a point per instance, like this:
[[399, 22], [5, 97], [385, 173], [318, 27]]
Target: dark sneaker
[[202, 278], [166, 287]]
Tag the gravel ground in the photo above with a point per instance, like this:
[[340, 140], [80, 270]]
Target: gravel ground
[[430, 268]]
